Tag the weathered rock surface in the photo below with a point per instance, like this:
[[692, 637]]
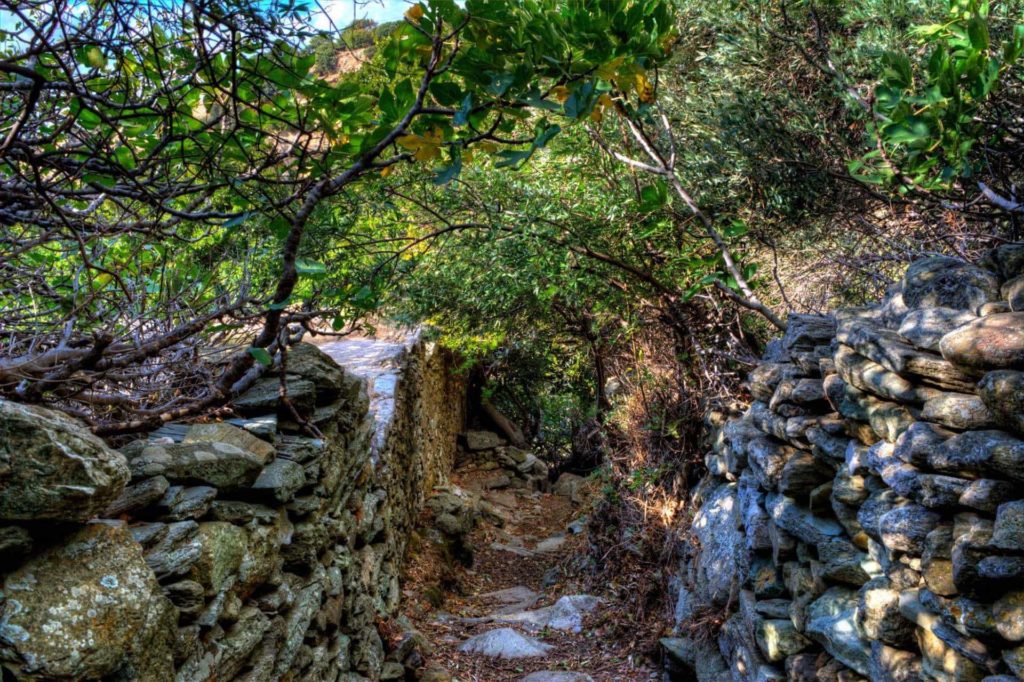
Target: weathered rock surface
[[52, 467], [79, 609], [217, 464], [992, 342], [1003, 394], [887, 528], [505, 643], [942, 282]]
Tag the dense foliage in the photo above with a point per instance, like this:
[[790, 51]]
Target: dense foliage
[[593, 200]]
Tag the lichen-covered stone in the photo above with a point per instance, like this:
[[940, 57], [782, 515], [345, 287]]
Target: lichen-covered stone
[[53, 468], [76, 611], [992, 342], [943, 282], [1003, 394], [925, 327], [222, 547], [959, 411], [217, 464]]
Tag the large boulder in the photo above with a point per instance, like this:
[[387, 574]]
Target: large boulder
[[52, 467], [87, 608], [943, 282], [992, 342]]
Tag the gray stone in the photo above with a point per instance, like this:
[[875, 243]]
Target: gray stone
[[765, 378], [722, 563], [889, 664], [986, 494], [505, 643], [53, 468], [767, 458], [943, 282], [967, 616], [176, 551], [217, 464], [265, 397], [307, 603], [222, 547], [943, 648], [483, 440], [831, 621], [1003, 394], [240, 513], [557, 676], [795, 397], [765, 579], [958, 411], [280, 480], [936, 561], [802, 473], [841, 561], [877, 505], [925, 328], [188, 595], [220, 432], [331, 380], [1013, 292], [1008, 531], [871, 377], [180, 503], [1008, 612], [808, 331], [904, 529], [993, 342], [1006, 259], [778, 639], [799, 522], [980, 452], [565, 614], [77, 610], [138, 496], [879, 616]]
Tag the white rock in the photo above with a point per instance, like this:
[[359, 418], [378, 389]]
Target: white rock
[[505, 643]]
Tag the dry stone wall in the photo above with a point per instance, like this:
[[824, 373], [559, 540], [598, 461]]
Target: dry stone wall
[[249, 550], [863, 517]]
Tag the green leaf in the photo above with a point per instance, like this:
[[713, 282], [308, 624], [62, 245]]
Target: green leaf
[[125, 158], [310, 268], [91, 56], [461, 117], [262, 356], [448, 173], [736, 229], [654, 197]]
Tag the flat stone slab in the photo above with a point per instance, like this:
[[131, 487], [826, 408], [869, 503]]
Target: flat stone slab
[[557, 676], [505, 643], [516, 599], [566, 614]]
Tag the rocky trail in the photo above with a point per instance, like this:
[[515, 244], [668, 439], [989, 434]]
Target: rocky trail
[[492, 587]]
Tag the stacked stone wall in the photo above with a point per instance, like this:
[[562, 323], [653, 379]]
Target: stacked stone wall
[[252, 550], [863, 516]]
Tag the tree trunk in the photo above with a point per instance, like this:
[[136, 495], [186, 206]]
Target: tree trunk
[[512, 432]]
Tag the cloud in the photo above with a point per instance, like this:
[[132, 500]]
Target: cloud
[[341, 13]]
